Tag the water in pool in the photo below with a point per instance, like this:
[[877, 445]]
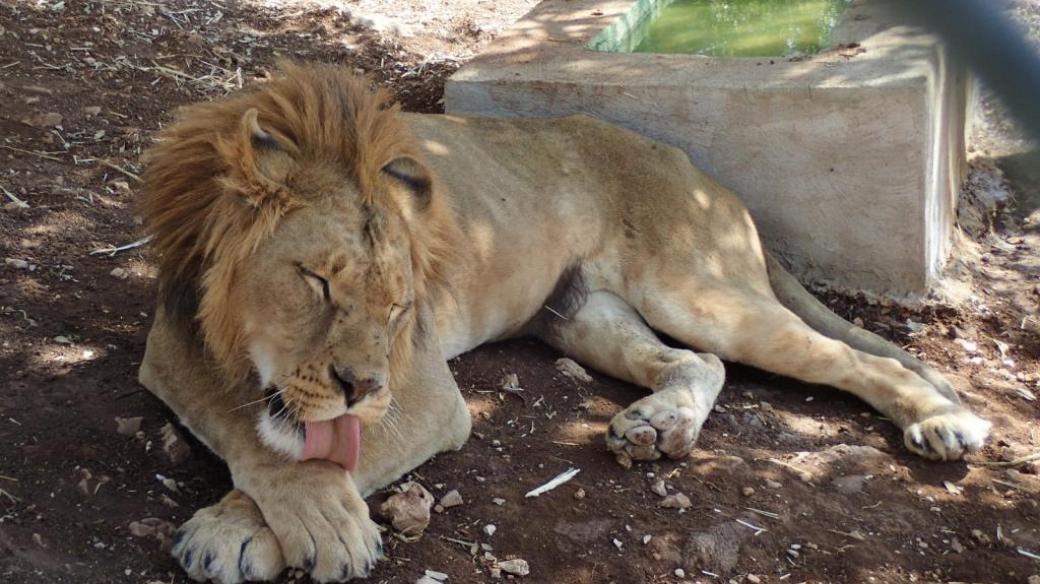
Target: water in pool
[[742, 28]]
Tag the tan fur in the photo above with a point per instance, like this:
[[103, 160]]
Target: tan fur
[[312, 229]]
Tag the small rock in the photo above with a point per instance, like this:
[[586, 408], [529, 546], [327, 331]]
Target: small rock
[[174, 446], [425, 579], [571, 369], [170, 484], [435, 575], [617, 543], [747, 491], [676, 501], [980, 536], [62, 340], [680, 573], [647, 538], [121, 186], [579, 494], [490, 529], [128, 426], [16, 263], [451, 499], [498, 501], [160, 529], [409, 510], [119, 273], [957, 546], [38, 540], [92, 110], [516, 567], [509, 382], [850, 485], [754, 579], [166, 500], [47, 120], [773, 484], [659, 489], [1034, 579]]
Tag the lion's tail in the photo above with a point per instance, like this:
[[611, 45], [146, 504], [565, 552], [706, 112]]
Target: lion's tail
[[796, 298]]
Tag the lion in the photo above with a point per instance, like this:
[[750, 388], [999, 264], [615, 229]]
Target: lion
[[321, 255]]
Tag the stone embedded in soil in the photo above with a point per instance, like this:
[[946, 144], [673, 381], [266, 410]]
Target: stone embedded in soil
[[515, 567], [438, 576], [753, 579], [47, 120], [774, 484], [676, 501], [716, 549], [409, 510], [850, 484], [451, 499], [174, 446], [659, 489], [119, 273], [92, 110], [490, 529], [128, 426], [16, 263], [160, 529], [747, 491], [579, 494], [571, 369], [509, 382]]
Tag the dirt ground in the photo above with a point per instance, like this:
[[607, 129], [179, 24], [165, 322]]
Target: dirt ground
[[789, 483]]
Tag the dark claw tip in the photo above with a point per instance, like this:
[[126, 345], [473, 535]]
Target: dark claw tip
[[206, 561], [308, 564], [344, 572], [188, 559], [178, 536]]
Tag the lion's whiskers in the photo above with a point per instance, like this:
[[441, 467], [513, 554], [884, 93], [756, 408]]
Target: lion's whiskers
[[257, 401], [391, 422]]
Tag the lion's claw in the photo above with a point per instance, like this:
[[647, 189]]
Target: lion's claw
[[233, 542], [947, 436]]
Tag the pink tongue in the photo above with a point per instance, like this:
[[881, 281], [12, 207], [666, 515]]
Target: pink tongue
[[337, 440]]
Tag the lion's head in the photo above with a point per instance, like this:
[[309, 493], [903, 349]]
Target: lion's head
[[299, 232]]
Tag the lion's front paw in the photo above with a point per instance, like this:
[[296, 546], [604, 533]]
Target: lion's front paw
[[947, 436], [228, 543], [665, 423], [320, 520]]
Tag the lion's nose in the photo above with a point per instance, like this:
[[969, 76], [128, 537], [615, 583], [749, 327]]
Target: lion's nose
[[353, 386]]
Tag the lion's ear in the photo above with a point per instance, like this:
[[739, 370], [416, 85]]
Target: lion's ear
[[263, 159], [414, 175]]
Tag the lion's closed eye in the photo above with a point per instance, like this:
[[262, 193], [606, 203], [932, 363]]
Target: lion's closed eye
[[318, 283]]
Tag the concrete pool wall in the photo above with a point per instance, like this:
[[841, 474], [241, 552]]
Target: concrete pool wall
[[850, 160]]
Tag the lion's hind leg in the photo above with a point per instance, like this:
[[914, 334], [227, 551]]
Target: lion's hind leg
[[755, 329], [608, 335]]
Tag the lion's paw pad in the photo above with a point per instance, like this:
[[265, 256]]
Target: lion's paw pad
[[228, 543], [947, 436], [657, 425]]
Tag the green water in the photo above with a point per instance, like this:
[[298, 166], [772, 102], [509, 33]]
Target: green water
[[742, 28]]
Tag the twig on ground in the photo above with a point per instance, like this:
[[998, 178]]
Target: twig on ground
[[7, 478], [116, 167], [14, 199], [13, 499], [24, 151], [1015, 462], [111, 251], [768, 514], [1028, 554], [558, 480], [757, 529]]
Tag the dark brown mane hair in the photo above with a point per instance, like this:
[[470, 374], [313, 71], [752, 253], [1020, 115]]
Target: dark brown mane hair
[[207, 205]]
